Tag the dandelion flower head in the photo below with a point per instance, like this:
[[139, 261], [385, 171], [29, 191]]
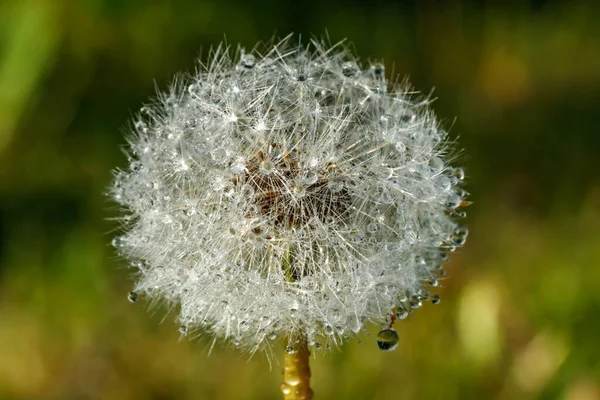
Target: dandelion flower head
[[290, 190]]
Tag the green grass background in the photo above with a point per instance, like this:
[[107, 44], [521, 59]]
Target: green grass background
[[518, 82]]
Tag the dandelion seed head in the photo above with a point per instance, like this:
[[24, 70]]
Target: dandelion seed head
[[292, 190]]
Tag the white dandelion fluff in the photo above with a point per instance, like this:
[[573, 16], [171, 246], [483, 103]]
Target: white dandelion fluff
[[288, 192]]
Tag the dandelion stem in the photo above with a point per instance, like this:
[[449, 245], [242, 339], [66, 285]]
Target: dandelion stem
[[296, 371]]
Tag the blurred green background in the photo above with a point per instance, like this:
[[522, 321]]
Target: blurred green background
[[518, 82]]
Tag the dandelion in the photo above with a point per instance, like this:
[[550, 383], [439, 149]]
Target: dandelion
[[289, 193]]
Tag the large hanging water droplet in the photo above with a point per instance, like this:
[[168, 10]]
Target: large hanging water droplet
[[132, 297], [387, 340]]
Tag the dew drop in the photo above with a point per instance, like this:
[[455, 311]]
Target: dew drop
[[228, 190], [237, 168], [462, 231], [450, 247], [318, 346], [335, 314], [183, 330], [335, 184], [141, 127], [458, 174], [435, 299], [408, 117], [248, 61], [387, 340], [117, 242], [358, 238], [285, 389], [401, 313], [300, 75], [350, 69], [443, 256], [299, 191], [386, 197], [453, 202], [247, 191], [267, 167], [415, 302], [444, 182], [378, 70], [423, 294], [436, 164], [194, 89], [458, 240], [372, 227], [310, 178], [328, 330], [132, 297], [290, 350], [272, 336]]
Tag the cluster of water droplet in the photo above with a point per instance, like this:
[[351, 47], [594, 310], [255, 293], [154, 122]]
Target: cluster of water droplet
[[288, 192]]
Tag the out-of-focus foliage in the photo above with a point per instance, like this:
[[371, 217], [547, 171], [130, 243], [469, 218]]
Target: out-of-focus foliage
[[519, 316]]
